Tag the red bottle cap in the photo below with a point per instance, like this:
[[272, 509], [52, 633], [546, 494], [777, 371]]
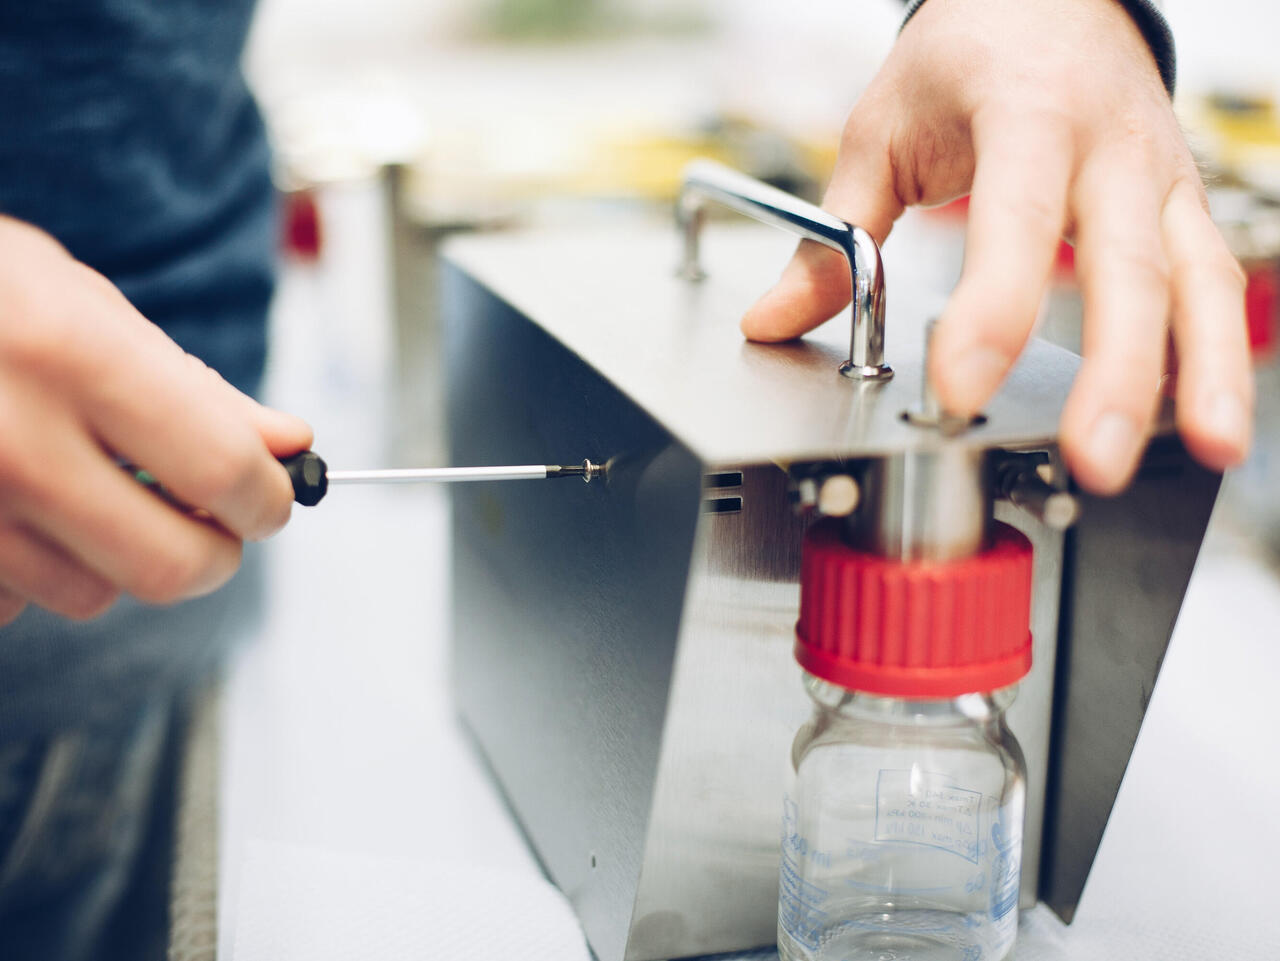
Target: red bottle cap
[[920, 629]]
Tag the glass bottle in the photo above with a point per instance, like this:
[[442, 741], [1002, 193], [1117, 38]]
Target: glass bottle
[[902, 829], [902, 819]]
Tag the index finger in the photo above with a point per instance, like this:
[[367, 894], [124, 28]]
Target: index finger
[[191, 431], [1215, 381], [1016, 216]]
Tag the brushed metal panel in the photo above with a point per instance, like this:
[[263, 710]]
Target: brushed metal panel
[[1126, 567], [710, 877], [566, 599], [1031, 716], [674, 347]]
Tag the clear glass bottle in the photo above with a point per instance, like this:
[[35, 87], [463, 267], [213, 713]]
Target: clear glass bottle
[[902, 829]]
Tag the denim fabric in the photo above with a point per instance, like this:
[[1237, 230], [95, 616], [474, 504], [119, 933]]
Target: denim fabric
[[86, 815], [89, 759], [127, 132]]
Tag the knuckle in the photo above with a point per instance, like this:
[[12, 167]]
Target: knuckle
[[13, 470], [1220, 269], [11, 606], [1039, 211], [22, 475], [1187, 176], [175, 575], [228, 471], [1147, 136], [275, 515], [37, 340], [1138, 141], [870, 113], [1142, 266], [1231, 271], [88, 600], [165, 580]]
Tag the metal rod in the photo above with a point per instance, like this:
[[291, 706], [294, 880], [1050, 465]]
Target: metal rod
[[1019, 480], [454, 475], [440, 475]]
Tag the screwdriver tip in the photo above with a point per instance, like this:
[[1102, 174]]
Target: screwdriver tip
[[586, 470]]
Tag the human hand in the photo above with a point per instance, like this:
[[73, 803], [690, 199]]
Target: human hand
[[1051, 113], [84, 379]]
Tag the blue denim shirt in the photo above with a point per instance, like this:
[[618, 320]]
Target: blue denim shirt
[[127, 132]]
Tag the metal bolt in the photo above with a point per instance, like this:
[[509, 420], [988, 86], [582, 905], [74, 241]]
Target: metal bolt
[[838, 496]]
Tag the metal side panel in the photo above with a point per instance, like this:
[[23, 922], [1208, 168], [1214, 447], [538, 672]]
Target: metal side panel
[[710, 878], [1126, 566], [1031, 714], [567, 598]]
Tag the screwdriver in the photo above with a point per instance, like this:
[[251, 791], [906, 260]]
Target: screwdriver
[[311, 476]]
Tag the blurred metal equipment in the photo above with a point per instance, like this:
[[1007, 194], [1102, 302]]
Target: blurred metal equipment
[[623, 654], [1250, 222]]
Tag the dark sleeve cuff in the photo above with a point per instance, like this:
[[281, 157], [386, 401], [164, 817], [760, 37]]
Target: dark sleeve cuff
[[1151, 22]]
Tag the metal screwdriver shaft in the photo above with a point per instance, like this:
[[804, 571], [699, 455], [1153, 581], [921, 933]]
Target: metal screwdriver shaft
[[311, 476], [440, 475]]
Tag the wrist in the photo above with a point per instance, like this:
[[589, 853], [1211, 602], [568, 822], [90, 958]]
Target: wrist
[[1150, 23]]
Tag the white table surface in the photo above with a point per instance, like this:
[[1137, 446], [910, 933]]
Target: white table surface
[[341, 751]]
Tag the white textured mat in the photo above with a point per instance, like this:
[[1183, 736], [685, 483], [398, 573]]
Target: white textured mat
[[307, 904]]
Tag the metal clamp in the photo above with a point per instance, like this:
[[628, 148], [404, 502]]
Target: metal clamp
[[706, 180]]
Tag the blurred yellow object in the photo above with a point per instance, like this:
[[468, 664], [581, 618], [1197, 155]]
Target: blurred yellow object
[[464, 178], [1240, 134], [646, 166], [650, 164]]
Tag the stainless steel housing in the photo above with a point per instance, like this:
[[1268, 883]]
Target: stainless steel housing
[[622, 651]]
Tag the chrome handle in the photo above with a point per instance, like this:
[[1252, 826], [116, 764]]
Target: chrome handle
[[706, 180]]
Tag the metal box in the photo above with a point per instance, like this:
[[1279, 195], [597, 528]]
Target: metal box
[[622, 650]]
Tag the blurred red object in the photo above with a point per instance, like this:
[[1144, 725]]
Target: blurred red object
[[303, 237], [1262, 308], [1064, 264]]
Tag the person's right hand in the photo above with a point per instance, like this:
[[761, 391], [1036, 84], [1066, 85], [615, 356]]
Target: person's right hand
[[85, 382]]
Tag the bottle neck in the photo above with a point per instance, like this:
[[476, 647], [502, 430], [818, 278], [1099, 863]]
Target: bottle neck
[[976, 708]]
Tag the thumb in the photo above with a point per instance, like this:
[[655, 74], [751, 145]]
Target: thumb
[[815, 284], [284, 434]]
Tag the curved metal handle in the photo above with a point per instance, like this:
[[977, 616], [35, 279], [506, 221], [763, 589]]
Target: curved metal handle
[[706, 180]]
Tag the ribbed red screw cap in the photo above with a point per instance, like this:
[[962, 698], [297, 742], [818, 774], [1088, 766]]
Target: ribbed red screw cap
[[919, 629]]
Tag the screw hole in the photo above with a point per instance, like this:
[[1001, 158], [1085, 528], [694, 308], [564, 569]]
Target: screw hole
[[948, 425], [593, 862]]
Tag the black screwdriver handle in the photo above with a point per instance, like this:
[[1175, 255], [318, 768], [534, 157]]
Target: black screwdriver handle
[[310, 476]]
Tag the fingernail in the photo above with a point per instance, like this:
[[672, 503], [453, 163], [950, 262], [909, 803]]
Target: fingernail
[[1113, 443], [1225, 418]]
